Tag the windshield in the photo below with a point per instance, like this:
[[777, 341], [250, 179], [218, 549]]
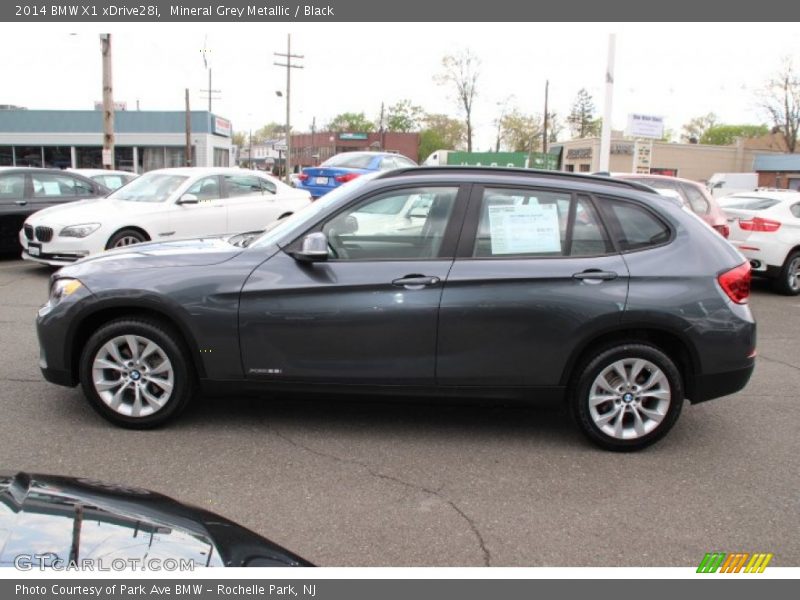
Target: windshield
[[353, 160], [150, 187], [302, 219]]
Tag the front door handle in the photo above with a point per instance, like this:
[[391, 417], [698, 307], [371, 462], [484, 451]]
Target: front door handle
[[595, 275], [415, 282], [20, 202]]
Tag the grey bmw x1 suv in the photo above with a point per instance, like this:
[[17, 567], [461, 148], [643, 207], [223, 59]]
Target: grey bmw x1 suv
[[436, 281]]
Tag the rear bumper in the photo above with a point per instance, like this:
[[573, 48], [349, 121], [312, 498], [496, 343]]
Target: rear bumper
[[710, 386], [316, 190]]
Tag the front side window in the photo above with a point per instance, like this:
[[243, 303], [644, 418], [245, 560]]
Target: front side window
[[248, 185], [46, 185], [206, 189], [398, 225]]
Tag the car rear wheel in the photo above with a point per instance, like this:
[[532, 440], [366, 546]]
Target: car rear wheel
[[627, 397], [136, 373], [788, 280], [125, 237]]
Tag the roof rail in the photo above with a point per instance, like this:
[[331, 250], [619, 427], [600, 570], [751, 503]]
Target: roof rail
[[538, 173]]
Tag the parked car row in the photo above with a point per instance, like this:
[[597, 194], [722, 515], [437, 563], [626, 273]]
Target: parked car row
[[345, 167]]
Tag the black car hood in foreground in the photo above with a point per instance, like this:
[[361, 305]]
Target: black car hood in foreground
[[69, 520], [199, 252]]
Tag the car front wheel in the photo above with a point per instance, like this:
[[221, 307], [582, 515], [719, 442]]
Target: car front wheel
[[788, 281], [627, 397], [126, 237], [136, 373]]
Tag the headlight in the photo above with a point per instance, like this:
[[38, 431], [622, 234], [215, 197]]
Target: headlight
[[62, 288], [79, 231]]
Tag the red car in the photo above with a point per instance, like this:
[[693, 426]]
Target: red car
[[692, 194]]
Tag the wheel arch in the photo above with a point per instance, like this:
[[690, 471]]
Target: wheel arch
[[672, 343], [136, 228], [90, 322]]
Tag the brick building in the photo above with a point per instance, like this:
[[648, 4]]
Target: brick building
[[778, 171], [310, 149]]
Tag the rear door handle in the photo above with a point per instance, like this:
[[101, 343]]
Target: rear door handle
[[595, 275], [20, 202], [415, 282]]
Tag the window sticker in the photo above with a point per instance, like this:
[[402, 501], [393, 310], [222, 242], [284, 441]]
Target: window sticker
[[524, 229], [113, 181], [51, 188]]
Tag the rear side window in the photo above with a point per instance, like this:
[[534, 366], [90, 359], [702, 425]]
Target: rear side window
[[634, 227], [12, 186], [795, 208], [534, 223], [697, 201]]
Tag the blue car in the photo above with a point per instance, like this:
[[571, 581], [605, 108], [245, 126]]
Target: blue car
[[345, 167]]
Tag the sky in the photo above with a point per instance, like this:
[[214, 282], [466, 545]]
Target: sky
[[674, 70]]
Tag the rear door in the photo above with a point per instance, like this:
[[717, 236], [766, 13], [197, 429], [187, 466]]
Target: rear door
[[535, 273], [251, 202], [14, 208]]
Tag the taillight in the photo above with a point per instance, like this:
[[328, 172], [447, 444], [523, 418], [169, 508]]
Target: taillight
[[346, 177], [302, 177], [759, 224], [723, 230], [736, 283]]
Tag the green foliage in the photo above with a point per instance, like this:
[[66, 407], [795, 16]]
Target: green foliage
[[724, 135], [351, 122], [581, 119], [404, 117], [521, 132], [440, 132]]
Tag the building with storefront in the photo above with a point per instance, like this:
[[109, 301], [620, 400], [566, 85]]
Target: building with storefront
[[144, 140], [690, 161], [780, 171]]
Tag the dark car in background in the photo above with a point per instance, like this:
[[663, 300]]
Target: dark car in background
[[692, 195], [49, 521], [24, 190], [500, 283], [347, 166]]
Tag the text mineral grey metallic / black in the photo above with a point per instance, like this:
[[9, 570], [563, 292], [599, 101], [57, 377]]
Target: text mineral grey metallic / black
[[434, 281]]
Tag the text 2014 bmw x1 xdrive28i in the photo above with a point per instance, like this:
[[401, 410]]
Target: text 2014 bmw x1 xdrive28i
[[438, 281]]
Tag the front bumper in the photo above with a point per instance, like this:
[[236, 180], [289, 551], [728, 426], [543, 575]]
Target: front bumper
[[58, 252]]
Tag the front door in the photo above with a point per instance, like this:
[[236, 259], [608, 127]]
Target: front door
[[366, 315], [208, 216], [535, 274]]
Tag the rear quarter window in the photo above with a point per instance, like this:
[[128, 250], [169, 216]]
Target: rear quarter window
[[633, 226]]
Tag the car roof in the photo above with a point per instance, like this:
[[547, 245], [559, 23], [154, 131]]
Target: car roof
[[782, 195], [485, 173], [195, 171], [92, 172], [636, 176]]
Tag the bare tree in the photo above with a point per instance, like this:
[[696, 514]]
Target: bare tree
[[461, 71], [781, 100], [696, 127]]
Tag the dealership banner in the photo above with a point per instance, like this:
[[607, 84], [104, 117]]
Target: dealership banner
[[395, 589], [408, 10]]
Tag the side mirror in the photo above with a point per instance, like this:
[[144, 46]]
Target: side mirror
[[314, 248], [188, 199]]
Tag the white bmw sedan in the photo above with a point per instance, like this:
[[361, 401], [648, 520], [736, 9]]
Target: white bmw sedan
[[765, 227], [160, 205]]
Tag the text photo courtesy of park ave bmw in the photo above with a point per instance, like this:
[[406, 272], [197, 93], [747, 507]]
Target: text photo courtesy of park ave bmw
[[303, 285]]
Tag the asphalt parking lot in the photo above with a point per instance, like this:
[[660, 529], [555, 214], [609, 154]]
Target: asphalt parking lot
[[371, 483]]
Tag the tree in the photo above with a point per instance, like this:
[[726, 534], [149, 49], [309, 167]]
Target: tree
[[724, 135], [440, 132], [270, 131], [461, 71], [581, 119], [351, 122], [521, 132], [780, 98], [554, 127], [404, 116], [239, 138], [695, 128]]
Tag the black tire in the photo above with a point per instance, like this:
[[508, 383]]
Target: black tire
[[590, 370], [788, 280], [169, 343], [134, 236]]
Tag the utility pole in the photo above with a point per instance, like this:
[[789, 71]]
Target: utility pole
[[605, 134], [381, 132], [289, 66], [544, 123], [108, 103], [206, 52], [314, 140], [188, 151]]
